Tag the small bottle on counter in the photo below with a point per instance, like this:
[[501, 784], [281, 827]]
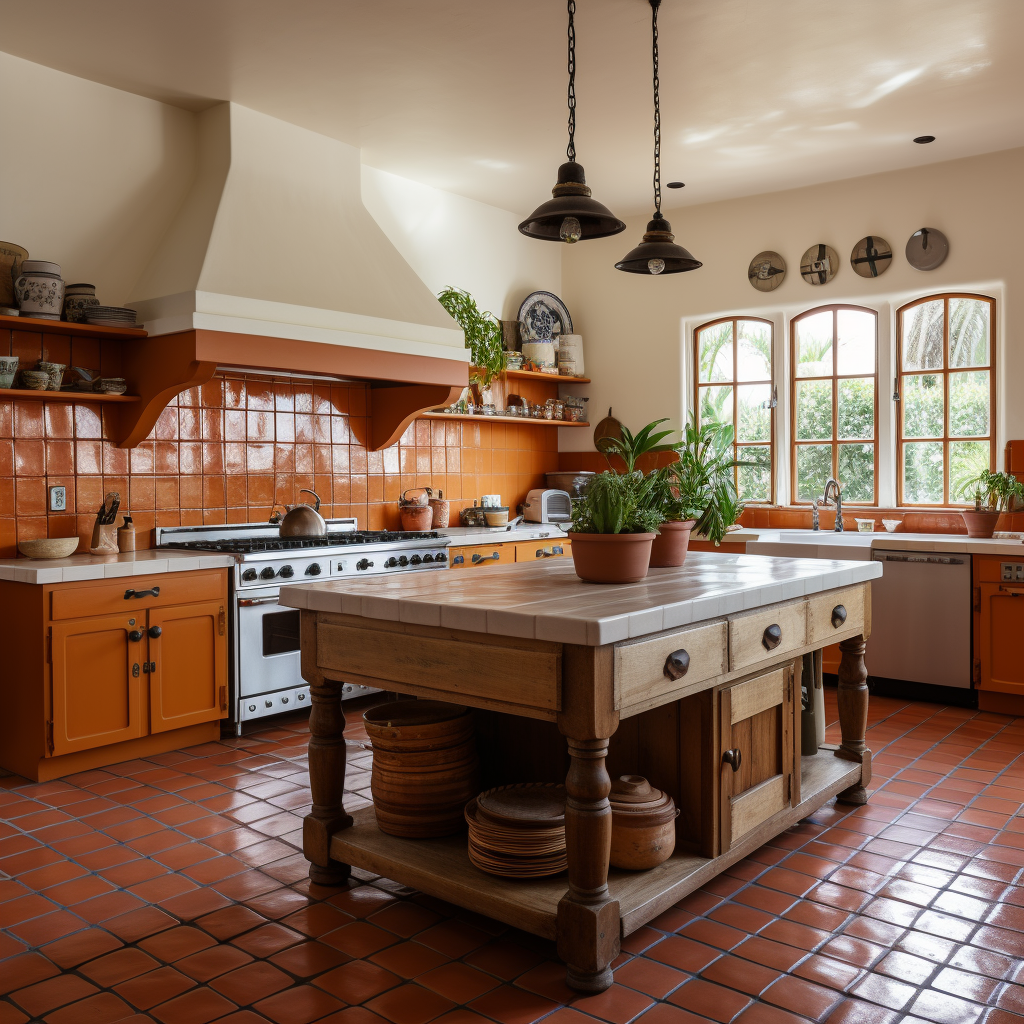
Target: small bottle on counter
[[126, 535]]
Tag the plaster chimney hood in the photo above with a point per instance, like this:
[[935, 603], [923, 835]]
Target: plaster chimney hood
[[273, 264]]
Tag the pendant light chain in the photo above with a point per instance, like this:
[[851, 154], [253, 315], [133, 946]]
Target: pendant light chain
[[570, 150], [657, 108]]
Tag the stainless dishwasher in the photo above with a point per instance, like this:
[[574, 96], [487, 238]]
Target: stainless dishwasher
[[921, 618]]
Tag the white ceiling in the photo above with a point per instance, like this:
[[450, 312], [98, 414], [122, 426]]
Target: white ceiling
[[469, 95]]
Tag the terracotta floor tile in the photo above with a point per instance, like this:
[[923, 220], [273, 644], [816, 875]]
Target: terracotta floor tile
[[803, 997], [649, 977], [78, 890], [358, 939], [283, 901], [40, 930], [711, 933], [712, 1001], [511, 1005], [122, 965], [39, 999], [686, 954], [362, 901], [854, 1011], [825, 971], [945, 1009], [267, 940], [298, 1005], [406, 959], [198, 1006], [616, 1004], [176, 943], [229, 922], [79, 947], [769, 953], [404, 918], [249, 984], [197, 903], [504, 959], [456, 981], [453, 938], [665, 1013], [10, 1014], [101, 1008], [308, 958], [212, 962], [358, 981], [110, 904], [742, 975], [137, 924], [147, 990]]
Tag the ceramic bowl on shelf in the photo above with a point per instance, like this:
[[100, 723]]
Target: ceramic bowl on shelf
[[55, 371], [8, 371], [77, 297], [890, 525], [48, 547], [35, 380]]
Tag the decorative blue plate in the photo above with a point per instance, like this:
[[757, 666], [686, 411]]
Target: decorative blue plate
[[543, 315]]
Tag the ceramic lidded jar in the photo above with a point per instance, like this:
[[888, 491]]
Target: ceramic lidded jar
[[643, 824], [77, 298], [40, 290]]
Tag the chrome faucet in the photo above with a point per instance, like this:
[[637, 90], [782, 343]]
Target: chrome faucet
[[814, 515], [833, 485]]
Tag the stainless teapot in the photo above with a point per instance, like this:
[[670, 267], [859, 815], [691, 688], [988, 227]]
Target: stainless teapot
[[301, 520]]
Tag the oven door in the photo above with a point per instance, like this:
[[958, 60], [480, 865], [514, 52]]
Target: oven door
[[267, 652]]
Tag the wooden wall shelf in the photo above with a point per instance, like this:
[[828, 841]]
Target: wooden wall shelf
[[547, 378], [40, 326], [64, 396], [523, 421]]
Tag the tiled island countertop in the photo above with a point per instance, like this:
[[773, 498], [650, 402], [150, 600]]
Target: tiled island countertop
[[548, 601]]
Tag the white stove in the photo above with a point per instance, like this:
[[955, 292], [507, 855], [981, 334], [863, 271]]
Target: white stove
[[264, 638]]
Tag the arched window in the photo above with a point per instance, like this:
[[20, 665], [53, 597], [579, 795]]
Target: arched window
[[835, 403], [733, 384], [946, 385]]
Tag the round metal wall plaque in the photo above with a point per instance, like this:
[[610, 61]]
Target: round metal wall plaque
[[927, 248], [767, 271], [871, 256], [819, 264]]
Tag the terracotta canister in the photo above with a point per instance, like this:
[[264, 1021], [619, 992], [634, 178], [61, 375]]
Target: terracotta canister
[[441, 512], [40, 290], [416, 517], [77, 298], [643, 824], [425, 766]]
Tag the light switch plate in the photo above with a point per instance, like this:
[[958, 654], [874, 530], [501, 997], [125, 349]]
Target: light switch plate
[[58, 498]]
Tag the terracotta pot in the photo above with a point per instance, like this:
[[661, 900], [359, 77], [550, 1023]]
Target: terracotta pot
[[669, 547], [441, 511], [980, 524], [643, 824], [611, 557], [425, 766], [416, 517]]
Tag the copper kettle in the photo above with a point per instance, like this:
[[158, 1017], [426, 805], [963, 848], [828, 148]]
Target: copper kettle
[[303, 520]]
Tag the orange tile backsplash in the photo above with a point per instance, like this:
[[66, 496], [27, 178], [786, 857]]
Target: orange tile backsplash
[[228, 451]]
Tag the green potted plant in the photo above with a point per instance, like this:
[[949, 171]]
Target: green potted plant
[[483, 335], [613, 526], [994, 494]]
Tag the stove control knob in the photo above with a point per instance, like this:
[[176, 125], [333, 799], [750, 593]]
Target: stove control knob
[[286, 571], [252, 707], [428, 557], [268, 573], [364, 563], [284, 700], [269, 703], [402, 560], [248, 575], [313, 569], [391, 562], [440, 557], [415, 560]]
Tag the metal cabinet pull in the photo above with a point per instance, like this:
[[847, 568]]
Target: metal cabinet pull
[[155, 631], [544, 552], [478, 558], [459, 560], [129, 594], [676, 664], [838, 616], [733, 758], [772, 637], [135, 635]]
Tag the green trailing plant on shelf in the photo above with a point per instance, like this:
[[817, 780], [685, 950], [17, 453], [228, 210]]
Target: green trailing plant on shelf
[[617, 503], [992, 492], [482, 331]]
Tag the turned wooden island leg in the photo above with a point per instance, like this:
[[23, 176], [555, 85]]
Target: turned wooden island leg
[[588, 917], [326, 765], [853, 715]]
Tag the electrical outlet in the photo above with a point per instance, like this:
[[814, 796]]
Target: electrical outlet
[[58, 498]]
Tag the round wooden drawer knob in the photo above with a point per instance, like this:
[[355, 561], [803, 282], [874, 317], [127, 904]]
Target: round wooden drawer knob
[[676, 664], [772, 637], [838, 616], [733, 758]]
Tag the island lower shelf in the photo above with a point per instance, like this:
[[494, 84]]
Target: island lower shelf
[[441, 867]]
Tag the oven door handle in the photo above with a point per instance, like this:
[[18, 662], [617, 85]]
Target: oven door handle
[[248, 602]]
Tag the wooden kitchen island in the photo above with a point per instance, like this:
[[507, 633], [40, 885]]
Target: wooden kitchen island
[[690, 678]]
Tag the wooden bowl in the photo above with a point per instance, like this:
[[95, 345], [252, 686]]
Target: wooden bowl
[[48, 547]]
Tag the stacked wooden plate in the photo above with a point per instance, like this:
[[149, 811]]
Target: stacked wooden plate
[[518, 831]]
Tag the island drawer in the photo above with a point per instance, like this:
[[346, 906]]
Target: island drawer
[[756, 637], [648, 669], [835, 613]]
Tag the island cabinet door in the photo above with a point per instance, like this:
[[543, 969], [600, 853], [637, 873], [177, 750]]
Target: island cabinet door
[[97, 673], [756, 752], [187, 665]]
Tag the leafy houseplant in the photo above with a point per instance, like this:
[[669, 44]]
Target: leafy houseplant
[[613, 526], [994, 493], [482, 331]]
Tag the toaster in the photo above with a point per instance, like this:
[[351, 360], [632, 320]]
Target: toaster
[[546, 505]]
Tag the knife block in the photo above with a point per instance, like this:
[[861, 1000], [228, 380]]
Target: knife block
[[104, 539]]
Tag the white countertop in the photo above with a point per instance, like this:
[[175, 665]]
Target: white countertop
[[462, 536], [851, 544], [548, 601], [152, 561]]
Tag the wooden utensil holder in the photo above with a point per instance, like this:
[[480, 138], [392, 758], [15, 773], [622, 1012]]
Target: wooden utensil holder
[[104, 539]]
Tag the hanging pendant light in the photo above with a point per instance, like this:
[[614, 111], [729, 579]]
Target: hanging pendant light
[[657, 253], [571, 215]]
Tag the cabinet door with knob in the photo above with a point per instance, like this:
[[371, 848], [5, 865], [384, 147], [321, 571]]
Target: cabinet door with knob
[[1000, 638], [187, 665], [97, 683], [756, 750]]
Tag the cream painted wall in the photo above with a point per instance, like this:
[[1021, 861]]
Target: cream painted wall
[[91, 176], [637, 330], [451, 240]]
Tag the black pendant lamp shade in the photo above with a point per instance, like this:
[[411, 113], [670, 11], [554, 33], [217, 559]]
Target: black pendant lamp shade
[[657, 253], [571, 215]]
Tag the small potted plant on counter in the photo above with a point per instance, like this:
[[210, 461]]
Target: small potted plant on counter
[[994, 494], [613, 526]]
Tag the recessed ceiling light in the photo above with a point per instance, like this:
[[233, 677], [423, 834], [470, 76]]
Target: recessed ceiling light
[[923, 140], [676, 184]]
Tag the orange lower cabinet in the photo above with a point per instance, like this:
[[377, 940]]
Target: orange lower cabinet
[[539, 550], [482, 556], [1000, 638], [187, 665], [97, 683]]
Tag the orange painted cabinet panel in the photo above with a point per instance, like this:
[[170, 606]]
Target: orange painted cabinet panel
[[1000, 637], [97, 683], [539, 550], [482, 556], [188, 665]]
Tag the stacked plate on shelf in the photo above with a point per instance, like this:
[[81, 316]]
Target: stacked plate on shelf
[[110, 316], [518, 831]]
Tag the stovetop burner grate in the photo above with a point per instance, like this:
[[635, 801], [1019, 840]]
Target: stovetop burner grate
[[250, 545]]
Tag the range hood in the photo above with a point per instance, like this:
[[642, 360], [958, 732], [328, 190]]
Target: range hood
[[274, 264]]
